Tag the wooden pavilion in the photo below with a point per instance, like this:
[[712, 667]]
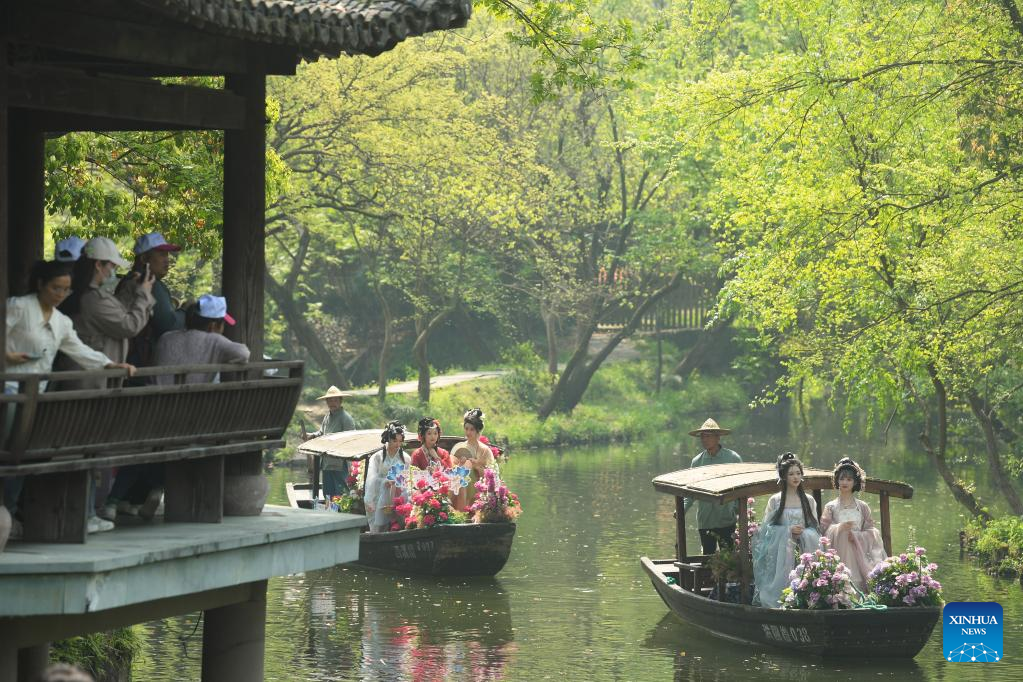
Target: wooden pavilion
[[97, 66]]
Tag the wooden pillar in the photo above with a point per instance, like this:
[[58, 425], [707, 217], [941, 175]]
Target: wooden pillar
[[8, 664], [194, 491], [54, 507], [233, 639], [886, 524], [32, 661], [745, 569], [244, 257], [4, 150], [26, 212], [680, 529]]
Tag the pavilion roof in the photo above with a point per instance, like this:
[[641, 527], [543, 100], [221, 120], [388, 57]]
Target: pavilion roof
[[320, 27]]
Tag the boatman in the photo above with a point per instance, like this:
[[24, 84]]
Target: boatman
[[715, 521], [335, 469]]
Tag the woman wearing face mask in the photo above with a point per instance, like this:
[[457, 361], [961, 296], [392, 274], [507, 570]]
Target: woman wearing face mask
[[103, 321]]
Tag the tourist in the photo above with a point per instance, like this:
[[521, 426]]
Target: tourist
[[337, 419], [36, 330], [428, 454], [472, 453], [68, 250], [102, 320], [790, 528], [202, 343], [152, 259], [381, 490], [847, 523], [716, 522], [138, 489]]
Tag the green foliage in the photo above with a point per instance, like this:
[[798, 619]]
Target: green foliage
[[528, 378], [98, 652], [998, 544]]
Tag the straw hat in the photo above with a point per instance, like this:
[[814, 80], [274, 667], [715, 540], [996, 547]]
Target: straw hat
[[710, 426], [332, 392]]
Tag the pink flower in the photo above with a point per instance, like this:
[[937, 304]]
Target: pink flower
[[443, 516], [920, 551]]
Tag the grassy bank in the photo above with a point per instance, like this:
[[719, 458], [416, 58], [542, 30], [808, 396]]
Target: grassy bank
[[621, 404], [997, 545]]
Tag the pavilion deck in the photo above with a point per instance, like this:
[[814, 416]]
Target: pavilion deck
[[146, 572]]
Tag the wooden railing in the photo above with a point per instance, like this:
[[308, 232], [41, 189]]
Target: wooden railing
[[690, 306], [60, 435]]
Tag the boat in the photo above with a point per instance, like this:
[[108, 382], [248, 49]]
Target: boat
[[686, 586], [469, 549]]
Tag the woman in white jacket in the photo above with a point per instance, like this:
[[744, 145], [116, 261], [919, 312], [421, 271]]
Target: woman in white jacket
[[381, 491]]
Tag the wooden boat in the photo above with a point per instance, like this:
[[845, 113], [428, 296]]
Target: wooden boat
[[685, 583], [471, 549]]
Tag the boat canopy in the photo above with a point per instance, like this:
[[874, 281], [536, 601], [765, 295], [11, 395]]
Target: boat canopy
[[726, 482], [361, 444]]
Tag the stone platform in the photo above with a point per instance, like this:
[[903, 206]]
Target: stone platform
[[141, 573]]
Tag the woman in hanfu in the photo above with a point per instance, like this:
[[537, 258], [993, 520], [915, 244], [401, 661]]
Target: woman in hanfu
[[847, 523], [790, 527], [429, 455], [473, 454], [380, 490]]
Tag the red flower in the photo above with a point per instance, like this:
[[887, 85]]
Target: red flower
[[428, 520], [443, 516], [421, 483], [435, 503], [444, 490]]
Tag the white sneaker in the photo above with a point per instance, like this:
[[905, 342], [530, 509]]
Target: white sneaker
[[97, 525], [128, 509], [109, 512], [148, 509]]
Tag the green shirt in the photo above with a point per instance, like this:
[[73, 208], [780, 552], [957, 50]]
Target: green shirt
[[712, 514], [335, 422]]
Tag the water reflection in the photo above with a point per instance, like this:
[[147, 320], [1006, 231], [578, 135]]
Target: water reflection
[[573, 599]]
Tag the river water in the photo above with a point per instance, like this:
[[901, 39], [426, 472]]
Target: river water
[[573, 600]]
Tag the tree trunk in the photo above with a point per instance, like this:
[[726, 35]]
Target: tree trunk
[[578, 372], [999, 476], [424, 329], [550, 321], [385, 348], [708, 339], [305, 333], [937, 454]]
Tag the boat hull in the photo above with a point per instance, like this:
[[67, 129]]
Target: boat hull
[[471, 549], [863, 633]]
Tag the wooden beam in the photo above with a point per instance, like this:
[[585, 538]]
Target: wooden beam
[[680, 529], [125, 44], [886, 524], [128, 100]]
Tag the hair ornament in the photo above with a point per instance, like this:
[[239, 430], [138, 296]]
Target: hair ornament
[[392, 430]]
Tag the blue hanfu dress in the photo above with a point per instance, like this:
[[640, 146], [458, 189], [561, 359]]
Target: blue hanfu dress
[[775, 551]]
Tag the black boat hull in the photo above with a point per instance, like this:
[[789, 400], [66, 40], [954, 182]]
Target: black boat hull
[[471, 549], [863, 633]]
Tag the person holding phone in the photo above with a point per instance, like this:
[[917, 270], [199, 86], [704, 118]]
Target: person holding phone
[[104, 321], [152, 260]]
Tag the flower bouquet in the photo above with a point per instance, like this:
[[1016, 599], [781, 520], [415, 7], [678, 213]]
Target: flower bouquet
[[428, 503], [819, 581], [494, 502], [905, 580], [724, 564], [353, 501]]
